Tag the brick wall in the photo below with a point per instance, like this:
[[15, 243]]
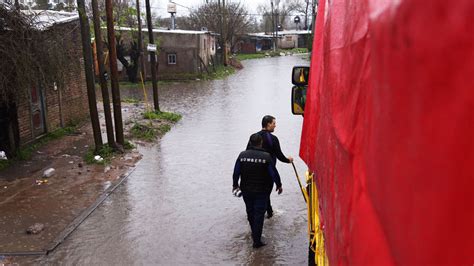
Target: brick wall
[[67, 103], [24, 120]]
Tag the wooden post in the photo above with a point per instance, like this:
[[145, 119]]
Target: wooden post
[[153, 58], [103, 82], [114, 73], [140, 41], [87, 53]]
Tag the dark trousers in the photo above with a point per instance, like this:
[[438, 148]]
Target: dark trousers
[[256, 205], [269, 206]]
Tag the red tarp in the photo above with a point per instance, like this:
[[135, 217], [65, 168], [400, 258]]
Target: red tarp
[[389, 130]]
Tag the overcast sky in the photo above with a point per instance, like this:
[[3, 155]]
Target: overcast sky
[[160, 6]]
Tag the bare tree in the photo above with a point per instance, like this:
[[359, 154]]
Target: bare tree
[[283, 13], [128, 53], [237, 20]]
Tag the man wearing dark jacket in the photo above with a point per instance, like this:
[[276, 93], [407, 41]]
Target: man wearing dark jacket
[[271, 144], [257, 174]]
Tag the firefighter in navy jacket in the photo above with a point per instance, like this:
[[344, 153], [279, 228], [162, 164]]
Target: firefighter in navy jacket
[[257, 174]]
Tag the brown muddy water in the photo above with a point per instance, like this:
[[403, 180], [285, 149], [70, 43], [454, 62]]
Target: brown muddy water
[[177, 206]]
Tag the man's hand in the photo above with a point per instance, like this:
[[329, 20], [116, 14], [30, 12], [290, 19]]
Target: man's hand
[[279, 189], [290, 159]]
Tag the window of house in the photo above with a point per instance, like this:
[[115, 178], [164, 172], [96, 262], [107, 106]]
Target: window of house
[[171, 59]]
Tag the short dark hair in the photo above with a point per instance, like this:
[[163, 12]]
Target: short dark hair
[[268, 119], [256, 140]]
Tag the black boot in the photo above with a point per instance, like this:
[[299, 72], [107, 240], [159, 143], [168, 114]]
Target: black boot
[[258, 244]]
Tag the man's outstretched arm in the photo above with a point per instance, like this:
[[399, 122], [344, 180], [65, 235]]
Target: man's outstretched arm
[[279, 154]]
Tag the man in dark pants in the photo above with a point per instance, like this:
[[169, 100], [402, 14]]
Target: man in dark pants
[[257, 173], [271, 144]]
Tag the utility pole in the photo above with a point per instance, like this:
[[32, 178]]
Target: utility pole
[[224, 24], [277, 2], [273, 28], [306, 16], [315, 13], [102, 72], [153, 58], [140, 42], [114, 74], [222, 37], [87, 53]]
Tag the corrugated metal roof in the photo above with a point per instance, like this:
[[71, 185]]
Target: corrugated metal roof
[[167, 31], [47, 18]]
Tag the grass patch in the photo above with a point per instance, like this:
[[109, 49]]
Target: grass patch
[[250, 56], [162, 129], [144, 132], [271, 53], [299, 50], [5, 163], [220, 73], [168, 116], [26, 153], [128, 145], [106, 152], [130, 100]]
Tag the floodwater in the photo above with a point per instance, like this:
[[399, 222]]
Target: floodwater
[[177, 206]]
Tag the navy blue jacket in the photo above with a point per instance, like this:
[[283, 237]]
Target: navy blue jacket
[[256, 171], [271, 144]]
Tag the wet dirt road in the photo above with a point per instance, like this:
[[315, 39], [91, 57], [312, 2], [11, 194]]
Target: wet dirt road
[[177, 206]]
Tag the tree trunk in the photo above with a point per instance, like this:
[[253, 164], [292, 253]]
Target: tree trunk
[[87, 53], [132, 66], [103, 82], [114, 74]]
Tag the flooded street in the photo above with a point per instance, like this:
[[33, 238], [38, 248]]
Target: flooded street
[[177, 206]]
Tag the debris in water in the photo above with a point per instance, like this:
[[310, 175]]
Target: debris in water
[[35, 229], [40, 182], [48, 172]]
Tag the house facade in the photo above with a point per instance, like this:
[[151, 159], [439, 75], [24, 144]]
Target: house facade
[[182, 54], [45, 109], [293, 39], [256, 42], [252, 43]]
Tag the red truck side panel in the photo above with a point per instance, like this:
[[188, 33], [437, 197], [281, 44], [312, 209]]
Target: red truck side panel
[[389, 130]]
